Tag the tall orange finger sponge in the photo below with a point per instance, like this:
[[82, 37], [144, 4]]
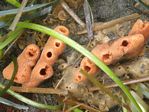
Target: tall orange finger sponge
[[26, 60], [52, 49]]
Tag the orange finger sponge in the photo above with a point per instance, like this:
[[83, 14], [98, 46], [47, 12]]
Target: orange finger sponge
[[111, 52], [56, 44], [87, 66], [26, 60], [52, 49], [103, 52]]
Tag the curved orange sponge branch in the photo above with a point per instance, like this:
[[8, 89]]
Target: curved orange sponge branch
[[52, 49], [26, 60], [111, 52], [140, 27]]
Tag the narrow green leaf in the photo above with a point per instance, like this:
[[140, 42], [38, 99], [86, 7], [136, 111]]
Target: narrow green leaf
[[10, 37], [30, 102], [141, 103], [10, 103], [141, 89], [14, 3], [26, 9], [77, 110], [1, 53], [123, 108]]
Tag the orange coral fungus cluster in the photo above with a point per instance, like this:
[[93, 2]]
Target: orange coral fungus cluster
[[111, 52], [32, 70]]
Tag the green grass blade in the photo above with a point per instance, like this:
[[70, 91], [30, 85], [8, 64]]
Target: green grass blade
[[77, 110], [30, 102], [14, 3], [144, 106], [12, 104], [10, 37], [26, 9], [85, 52], [1, 53]]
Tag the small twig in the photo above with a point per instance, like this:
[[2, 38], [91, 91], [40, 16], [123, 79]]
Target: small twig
[[99, 26], [64, 106], [39, 90], [62, 92], [72, 108], [82, 105], [18, 16], [59, 82], [128, 82], [72, 14], [146, 12]]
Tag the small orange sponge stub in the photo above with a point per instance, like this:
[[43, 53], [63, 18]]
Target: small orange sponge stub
[[103, 52], [52, 49], [26, 61], [140, 27]]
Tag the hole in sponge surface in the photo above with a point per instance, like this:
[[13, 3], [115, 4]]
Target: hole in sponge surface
[[31, 54], [43, 71], [87, 68], [49, 54], [106, 56], [63, 30], [57, 44], [79, 77], [125, 43]]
